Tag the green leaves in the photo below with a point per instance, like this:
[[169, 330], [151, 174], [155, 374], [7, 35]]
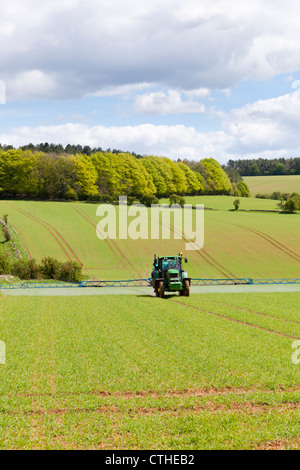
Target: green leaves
[[217, 181], [99, 175]]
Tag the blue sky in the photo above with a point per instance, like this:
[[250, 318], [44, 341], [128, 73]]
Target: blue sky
[[188, 79]]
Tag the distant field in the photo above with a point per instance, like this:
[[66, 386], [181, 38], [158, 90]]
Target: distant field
[[225, 203], [206, 372], [268, 184], [236, 244]]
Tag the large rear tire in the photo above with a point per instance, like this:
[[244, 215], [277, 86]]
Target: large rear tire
[[161, 289], [187, 287]]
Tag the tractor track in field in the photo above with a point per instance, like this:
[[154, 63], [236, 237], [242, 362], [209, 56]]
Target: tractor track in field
[[205, 255], [216, 262], [184, 393], [52, 355], [232, 407], [254, 311], [289, 443], [119, 255], [234, 320], [63, 243], [91, 222], [272, 241]]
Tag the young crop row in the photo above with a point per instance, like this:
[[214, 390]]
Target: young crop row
[[113, 372]]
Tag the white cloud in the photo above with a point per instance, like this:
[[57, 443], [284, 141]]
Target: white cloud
[[267, 128], [266, 125], [92, 46], [160, 103], [172, 141], [32, 85], [7, 29], [124, 90], [166, 57], [198, 93]]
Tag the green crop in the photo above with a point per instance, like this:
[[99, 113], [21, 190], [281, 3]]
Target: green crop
[[236, 243], [122, 372]]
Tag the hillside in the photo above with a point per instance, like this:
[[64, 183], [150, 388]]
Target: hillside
[[236, 244], [268, 184]]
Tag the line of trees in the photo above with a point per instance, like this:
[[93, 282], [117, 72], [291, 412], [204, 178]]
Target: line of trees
[[104, 176], [263, 166], [289, 202], [68, 149]]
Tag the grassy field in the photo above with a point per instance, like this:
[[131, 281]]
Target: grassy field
[[236, 244], [145, 373], [212, 371], [268, 184], [225, 203]]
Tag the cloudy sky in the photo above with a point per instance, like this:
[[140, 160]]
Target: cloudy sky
[[180, 78]]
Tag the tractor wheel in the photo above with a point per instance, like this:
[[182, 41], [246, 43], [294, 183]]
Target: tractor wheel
[[161, 289], [187, 287]]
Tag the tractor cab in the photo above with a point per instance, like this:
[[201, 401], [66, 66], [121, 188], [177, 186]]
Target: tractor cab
[[168, 264]]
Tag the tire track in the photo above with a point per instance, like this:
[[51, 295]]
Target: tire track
[[272, 241], [185, 393], [279, 243], [51, 230], [233, 407], [254, 311], [204, 255], [119, 255], [37, 426], [230, 274], [52, 355], [91, 222], [284, 444], [234, 320]]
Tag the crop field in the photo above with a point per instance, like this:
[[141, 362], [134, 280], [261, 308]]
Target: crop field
[[111, 372], [225, 203], [209, 371], [252, 244], [268, 184]]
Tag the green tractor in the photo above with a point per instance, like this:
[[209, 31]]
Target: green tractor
[[168, 275]]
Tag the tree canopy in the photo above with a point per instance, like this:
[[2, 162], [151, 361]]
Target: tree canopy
[[264, 166], [108, 175]]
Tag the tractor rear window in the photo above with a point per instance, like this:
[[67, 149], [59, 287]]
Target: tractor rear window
[[170, 264]]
